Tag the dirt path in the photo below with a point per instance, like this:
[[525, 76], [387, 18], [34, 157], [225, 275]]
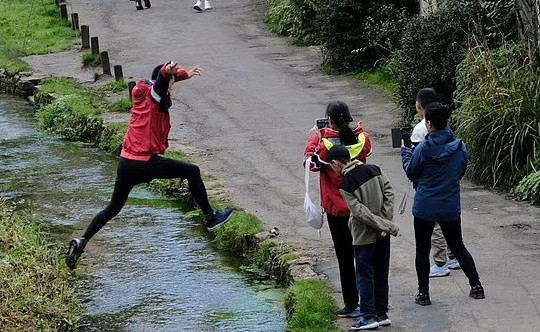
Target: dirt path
[[246, 122]]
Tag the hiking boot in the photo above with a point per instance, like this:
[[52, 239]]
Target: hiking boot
[[477, 292], [147, 3], [438, 271], [384, 320], [139, 5], [198, 6], [453, 264], [349, 312], [218, 218], [75, 250], [365, 324], [422, 298], [207, 5]]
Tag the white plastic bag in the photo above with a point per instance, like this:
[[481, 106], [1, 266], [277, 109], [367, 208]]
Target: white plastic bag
[[314, 215]]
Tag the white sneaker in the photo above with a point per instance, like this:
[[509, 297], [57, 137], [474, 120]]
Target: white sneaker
[[439, 271], [198, 6], [207, 5], [453, 264]]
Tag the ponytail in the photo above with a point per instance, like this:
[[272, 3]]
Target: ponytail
[[339, 112]]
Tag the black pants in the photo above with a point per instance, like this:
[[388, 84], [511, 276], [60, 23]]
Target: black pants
[[341, 235], [131, 173], [451, 230]]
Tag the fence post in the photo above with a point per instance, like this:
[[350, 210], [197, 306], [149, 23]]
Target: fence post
[[63, 11], [75, 21], [95, 45], [131, 85], [105, 63], [118, 75], [85, 34]]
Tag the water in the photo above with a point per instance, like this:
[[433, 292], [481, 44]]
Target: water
[[148, 269]]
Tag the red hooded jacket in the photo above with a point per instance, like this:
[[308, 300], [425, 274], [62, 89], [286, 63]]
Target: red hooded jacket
[[150, 123], [330, 181]]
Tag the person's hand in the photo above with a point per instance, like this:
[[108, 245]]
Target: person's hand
[[195, 71], [315, 132], [172, 67]]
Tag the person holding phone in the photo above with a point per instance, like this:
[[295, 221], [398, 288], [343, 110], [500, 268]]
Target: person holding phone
[[358, 143]]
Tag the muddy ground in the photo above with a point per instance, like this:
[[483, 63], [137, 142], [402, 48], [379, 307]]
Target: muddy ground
[[246, 122]]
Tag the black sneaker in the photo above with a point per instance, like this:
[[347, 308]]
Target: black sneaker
[[75, 250], [139, 5], [218, 218], [422, 298], [349, 312], [147, 3], [477, 292]]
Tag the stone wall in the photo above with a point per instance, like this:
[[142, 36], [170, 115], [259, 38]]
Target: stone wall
[[21, 84]]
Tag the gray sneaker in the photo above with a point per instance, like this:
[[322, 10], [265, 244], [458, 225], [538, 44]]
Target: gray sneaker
[[453, 264]]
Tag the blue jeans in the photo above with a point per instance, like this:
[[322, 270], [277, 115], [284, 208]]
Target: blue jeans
[[372, 263]]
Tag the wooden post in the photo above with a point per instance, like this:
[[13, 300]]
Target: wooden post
[[75, 21], [131, 85], [95, 45], [63, 11], [118, 75], [105, 63], [85, 34]]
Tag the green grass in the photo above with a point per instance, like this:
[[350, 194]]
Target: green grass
[[90, 59], [234, 235], [378, 77], [122, 106], [114, 86], [31, 27], [310, 307], [36, 289], [82, 100]]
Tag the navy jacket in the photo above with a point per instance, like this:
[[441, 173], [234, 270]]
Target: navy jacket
[[438, 164]]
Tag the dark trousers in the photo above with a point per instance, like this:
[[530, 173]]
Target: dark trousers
[[451, 230], [131, 172], [342, 238], [372, 263]]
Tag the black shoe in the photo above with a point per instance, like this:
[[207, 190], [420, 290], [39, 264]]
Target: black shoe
[[477, 292], [422, 298], [147, 3], [75, 250], [218, 218], [349, 311]]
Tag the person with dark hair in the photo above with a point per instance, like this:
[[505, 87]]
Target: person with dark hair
[[138, 4], [438, 164], [141, 161], [443, 258], [358, 144], [369, 196]]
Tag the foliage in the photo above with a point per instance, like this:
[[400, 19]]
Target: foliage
[[357, 34], [28, 29], [112, 138], [235, 236], [310, 306], [529, 188], [381, 77], [432, 47], [498, 114], [304, 27], [122, 106], [279, 16], [36, 289], [90, 59], [114, 86]]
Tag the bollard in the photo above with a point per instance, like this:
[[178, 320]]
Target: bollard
[[95, 45], [118, 75], [63, 11], [85, 34], [131, 86], [105, 63], [75, 21]]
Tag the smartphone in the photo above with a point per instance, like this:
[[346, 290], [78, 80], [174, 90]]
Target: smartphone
[[399, 134], [322, 122]]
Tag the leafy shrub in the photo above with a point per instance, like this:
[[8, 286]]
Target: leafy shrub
[[90, 59], [279, 16], [433, 46], [356, 34], [529, 188], [498, 113], [304, 27], [112, 138]]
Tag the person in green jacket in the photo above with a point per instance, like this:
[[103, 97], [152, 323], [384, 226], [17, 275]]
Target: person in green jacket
[[369, 196]]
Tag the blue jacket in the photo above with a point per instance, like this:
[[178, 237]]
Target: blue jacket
[[438, 164]]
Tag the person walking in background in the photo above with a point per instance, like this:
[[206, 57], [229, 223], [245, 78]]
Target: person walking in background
[[141, 161], [438, 164], [443, 258], [202, 5], [138, 4], [359, 145], [369, 196]]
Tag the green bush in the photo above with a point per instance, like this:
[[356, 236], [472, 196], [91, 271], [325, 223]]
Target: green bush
[[498, 113], [432, 47], [529, 188], [112, 138], [355, 35], [279, 16]]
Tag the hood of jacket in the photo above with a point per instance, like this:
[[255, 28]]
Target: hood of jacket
[[441, 145]]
